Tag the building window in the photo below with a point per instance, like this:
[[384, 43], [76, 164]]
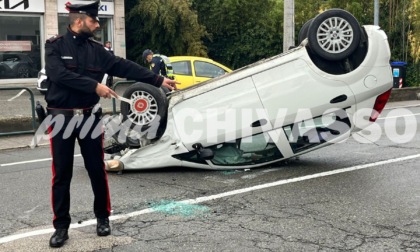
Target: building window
[[102, 34], [20, 39]]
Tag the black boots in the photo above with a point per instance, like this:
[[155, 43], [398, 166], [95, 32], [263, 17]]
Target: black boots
[[61, 235], [58, 238], [103, 228]]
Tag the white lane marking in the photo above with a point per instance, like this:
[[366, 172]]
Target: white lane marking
[[386, 117], [213, 197], [31, 210], [32, 161], [403, 106], [16, 96]]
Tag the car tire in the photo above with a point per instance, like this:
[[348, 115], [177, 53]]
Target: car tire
[[334, 34], [303, 33], [148, 111], [165, 90]]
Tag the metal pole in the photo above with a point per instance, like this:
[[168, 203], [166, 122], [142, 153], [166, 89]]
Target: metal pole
[[376, 13], [32, 112], [114, 105], [289, 24]]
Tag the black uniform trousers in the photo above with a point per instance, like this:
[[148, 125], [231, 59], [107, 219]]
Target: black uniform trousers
[[63, 138]]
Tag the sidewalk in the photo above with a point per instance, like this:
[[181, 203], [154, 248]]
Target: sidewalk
[[24, 141]]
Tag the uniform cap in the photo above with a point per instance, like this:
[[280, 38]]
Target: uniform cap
[[89, 9]]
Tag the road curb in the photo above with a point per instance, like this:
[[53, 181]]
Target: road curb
[[405, 94]]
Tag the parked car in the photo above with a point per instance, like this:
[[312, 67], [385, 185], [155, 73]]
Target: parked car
[[189, 70], [16, 65], [335, 83]]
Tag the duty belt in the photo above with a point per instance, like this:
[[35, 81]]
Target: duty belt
[[70, 112]]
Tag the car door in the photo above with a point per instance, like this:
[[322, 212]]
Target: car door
[[220, 115], [296, 90], [183, 73]]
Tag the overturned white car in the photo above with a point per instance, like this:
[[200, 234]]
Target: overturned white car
[[335, 82]]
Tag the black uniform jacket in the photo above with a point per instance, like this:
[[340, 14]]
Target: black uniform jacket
[[158, 66], [75, 64]]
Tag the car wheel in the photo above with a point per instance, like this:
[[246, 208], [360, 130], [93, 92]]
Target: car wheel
[[303, 33], [148, 110], [334, 34], [22, 71]]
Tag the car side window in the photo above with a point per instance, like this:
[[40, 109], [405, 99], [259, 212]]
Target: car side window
[[205, 69], [182, 67], [10, 57], [306, 134]]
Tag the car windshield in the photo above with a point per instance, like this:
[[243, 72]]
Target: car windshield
[[246, 151]]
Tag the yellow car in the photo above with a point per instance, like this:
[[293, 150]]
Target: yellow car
[[189, 70]]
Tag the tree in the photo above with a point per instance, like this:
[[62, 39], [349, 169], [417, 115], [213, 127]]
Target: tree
[[414, 33], [400, 22], [241, 32], [304, 11], [414, 39], [169, 26]]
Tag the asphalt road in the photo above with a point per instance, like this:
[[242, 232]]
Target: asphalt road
[[349, 196]]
